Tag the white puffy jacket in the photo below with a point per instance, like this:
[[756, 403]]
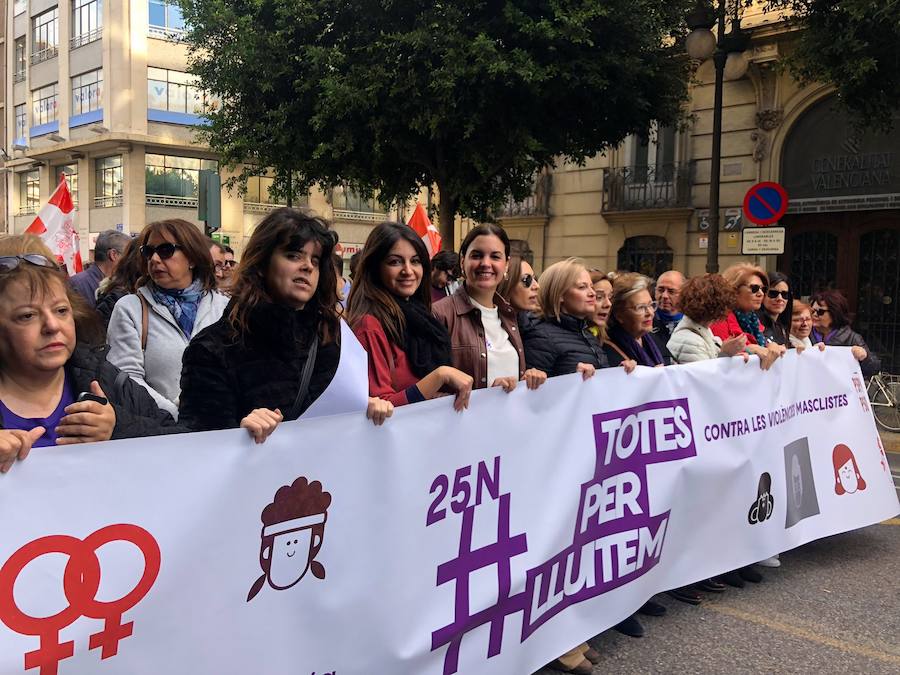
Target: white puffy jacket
[[692, 341]]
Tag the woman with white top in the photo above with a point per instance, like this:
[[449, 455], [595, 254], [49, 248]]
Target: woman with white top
[[484, 333]]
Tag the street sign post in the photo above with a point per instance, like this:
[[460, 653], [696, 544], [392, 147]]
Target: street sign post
[[765, 203], [763, 241]]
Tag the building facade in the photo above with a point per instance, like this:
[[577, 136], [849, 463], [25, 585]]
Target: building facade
[[98, 90]]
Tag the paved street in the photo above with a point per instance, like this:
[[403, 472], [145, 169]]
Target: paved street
[[833, 607]]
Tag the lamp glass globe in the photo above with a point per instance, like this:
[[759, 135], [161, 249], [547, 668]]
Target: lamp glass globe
[[736, 66], [700, 44]]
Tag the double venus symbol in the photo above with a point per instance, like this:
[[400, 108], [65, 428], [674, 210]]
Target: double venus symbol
[[81, 581]]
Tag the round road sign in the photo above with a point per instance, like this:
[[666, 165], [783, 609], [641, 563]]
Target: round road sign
[[765, 203]]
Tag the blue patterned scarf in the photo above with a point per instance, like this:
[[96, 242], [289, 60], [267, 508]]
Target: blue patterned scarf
[[182, 303], [749, 323]]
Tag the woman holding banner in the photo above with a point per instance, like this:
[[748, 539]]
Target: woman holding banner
[[275, 349], [831, 326], [56, 389], [484, 334], [389, 309], [776, 310], [630, 329]]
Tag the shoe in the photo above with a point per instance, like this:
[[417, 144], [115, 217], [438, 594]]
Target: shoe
[[732, 579], [710, 586], [770, 562], [630, 627], [593, 655], [686, 595], [651, 608], [749, 574], [583, 668]]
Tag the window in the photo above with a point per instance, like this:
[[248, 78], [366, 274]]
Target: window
[[175, 91], [21, 122], [43, 105], [345, 199], [87, 92], [20, 60], [166, 19], [44, 35], [71, 171], [29, 191], [108, 181], [258, 192], [19, 6], [87, 21], [171, 176]]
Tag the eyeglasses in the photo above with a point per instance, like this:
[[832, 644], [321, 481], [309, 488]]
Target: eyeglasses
[[527, 280], [10, 262], [165, 250], [649, 308], [230, 263], [774, 294], [820, 312], [756, 288], [802, 319]]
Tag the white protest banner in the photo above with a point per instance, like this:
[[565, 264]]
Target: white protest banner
[[487, 541]]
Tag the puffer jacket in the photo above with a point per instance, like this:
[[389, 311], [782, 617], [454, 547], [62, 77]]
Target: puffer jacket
[[225, 377], [137, 414], [557, 347], [692, 342], [847, 337]]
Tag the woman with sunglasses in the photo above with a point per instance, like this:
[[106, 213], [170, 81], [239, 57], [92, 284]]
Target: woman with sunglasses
[[801, 325], [484, 334], [55, 387], [389, 309], [520, 288], [275, 349], [750, 283], [176, 299], [776, 311], [831, 326]]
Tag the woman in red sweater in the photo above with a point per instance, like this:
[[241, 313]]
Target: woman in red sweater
[[389, 309]]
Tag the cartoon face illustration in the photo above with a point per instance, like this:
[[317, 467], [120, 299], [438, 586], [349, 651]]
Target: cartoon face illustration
[[847, 478], [797, 481], [292, 535]]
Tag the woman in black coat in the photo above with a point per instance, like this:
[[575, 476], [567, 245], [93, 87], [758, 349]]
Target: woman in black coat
[[831, 326], [275, 349], [777, 309]]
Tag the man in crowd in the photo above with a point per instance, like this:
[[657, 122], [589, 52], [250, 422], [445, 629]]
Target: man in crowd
[[230, 264], [668, 288], [217, 251], [444, 271], [107, 251]]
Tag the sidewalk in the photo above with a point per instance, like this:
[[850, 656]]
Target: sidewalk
[[891, 441]]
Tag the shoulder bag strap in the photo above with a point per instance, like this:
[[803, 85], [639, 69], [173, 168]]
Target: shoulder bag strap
[[618, 350], [305, 377], [145, 320]]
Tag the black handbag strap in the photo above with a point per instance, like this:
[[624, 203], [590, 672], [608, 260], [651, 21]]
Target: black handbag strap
[[305, 377]]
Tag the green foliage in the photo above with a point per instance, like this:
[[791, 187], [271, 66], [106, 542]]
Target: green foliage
[[471, 95], [854, 44]]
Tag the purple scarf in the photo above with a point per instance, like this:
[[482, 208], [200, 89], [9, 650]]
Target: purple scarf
[[646, 355]]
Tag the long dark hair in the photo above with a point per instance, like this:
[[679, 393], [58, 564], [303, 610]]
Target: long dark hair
[[838, 306], [785, 317], [368, 294], [285, 229]]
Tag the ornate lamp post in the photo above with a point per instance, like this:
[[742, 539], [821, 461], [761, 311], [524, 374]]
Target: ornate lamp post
[[727, 52]]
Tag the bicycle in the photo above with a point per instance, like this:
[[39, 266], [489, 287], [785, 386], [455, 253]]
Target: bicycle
[[884, 396]]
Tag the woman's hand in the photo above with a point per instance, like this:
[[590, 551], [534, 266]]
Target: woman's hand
[[734, 345], [508, 383], [459, 382], [767, 355], [16, 444], [629, 365], [379, 410], [534, 378], [586, 369], [87, 422], [261, 422], [858, 352]]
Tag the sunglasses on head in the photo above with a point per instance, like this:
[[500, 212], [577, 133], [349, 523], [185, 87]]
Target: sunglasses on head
[[774, 294], [165, 250], [756, 288], [820, 311], [527, 280], [10, 262]]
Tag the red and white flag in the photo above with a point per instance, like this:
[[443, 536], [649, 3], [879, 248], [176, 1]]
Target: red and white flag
[[422, 225], [55, 225]]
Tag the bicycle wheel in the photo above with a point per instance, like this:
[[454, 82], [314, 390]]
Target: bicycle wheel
[[886, 405]]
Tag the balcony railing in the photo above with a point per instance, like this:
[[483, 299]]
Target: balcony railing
[[19, 76], [632, 188], [43, 54], [359, 216], [85, 38], [27, 210], [536, 204], [107, 202], [168, 200], [170, 34]]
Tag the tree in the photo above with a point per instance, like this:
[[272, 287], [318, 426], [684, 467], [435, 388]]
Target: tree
[[471, 96], [853, 44]]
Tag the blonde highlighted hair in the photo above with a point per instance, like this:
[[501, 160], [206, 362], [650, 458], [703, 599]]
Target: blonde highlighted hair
[[625, 286], [737, 275], [554, 282]]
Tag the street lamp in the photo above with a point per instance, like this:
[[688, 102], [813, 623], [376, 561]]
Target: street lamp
[[727, 52]]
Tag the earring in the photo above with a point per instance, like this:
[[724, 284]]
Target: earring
[[506, 275]]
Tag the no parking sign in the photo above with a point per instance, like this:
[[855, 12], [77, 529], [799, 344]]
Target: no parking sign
[[765, 203]]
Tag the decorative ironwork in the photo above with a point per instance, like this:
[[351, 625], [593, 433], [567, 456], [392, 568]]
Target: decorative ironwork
[[536, 204], [168, 200], [813, 262], [878, 300], [648, 254], [85, 38], [631, 188]]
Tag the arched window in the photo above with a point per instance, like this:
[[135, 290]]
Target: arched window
[[648, 254]]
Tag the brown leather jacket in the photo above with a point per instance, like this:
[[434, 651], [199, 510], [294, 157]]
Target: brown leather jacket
[[469, 349]]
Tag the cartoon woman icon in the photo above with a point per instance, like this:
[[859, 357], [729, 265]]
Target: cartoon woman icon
[[847, 477]]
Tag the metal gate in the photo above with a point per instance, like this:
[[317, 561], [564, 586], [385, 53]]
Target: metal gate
[[878, 300], [813, 264]]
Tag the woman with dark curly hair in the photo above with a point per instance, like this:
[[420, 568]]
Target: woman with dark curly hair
[[703, 301], [831, 326], [275, 349]]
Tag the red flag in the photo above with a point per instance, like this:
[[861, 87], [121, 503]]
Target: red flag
[[55, 225], [422, 225]]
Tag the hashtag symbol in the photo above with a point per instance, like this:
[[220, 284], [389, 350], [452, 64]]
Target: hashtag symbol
[[501, 552]]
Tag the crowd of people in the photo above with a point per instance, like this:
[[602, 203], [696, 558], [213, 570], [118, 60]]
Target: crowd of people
[[167, 333]]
